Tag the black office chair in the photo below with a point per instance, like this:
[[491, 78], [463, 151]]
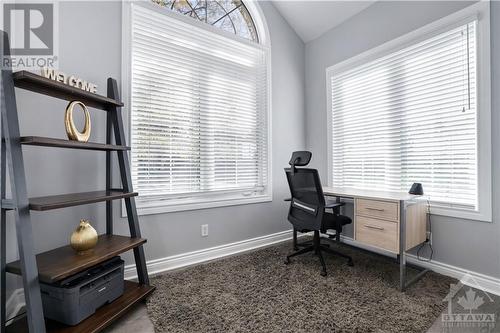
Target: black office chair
[[307, 209]]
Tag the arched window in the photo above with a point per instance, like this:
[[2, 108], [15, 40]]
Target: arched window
[[198, 91], [231, 16]]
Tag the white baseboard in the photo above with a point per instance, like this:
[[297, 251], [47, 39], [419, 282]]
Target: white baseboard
[[191, 258], [487, 283], [156, 266]]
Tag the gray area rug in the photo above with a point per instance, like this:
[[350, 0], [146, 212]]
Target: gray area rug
[[257, 292]]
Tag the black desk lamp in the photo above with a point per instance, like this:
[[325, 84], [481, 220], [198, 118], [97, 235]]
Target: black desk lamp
[[416, 189]]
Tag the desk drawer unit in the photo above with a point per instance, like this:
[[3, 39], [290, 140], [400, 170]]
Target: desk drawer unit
[[376, 232], [378, 209]]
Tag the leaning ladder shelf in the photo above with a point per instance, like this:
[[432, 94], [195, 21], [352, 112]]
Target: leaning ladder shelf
[[59, 263]]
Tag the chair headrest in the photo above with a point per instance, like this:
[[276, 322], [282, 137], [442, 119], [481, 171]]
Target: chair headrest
[[300, 158]]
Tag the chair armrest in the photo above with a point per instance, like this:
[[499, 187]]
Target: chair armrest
[[288, 199], [334, 204]]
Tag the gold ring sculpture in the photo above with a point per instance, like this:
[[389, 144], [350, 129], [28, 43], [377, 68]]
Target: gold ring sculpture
[[71, 130]]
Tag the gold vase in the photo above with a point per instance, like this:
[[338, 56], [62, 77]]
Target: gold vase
[[84, 238]]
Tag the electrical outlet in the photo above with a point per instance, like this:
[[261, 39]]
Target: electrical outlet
[[429, 237], [204, 230]]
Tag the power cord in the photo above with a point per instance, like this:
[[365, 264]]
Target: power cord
[[427, 239]]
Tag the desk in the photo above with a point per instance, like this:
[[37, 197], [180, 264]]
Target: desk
[[392, 221]]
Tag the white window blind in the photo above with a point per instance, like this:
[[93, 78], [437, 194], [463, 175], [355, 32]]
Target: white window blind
[[198, 112], [410, 116]]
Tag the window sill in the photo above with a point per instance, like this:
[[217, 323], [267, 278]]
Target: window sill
[[159, 207], [465, 214]]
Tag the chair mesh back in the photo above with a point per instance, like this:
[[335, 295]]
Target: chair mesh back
[[308, 202]]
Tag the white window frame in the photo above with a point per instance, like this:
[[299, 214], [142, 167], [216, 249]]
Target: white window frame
[[194, 203], [481, 11]]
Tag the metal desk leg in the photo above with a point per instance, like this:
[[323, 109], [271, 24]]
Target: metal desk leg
[[403, 283], [402, 245]]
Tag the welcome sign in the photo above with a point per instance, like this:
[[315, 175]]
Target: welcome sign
[[70, 80]]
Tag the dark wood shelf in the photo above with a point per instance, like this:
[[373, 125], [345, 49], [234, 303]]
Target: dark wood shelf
[[104, 316], [76, 199], [37, 83], [61, 143], [59, 263]]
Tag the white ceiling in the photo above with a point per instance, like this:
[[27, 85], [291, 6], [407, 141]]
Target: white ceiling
[[311, 19]]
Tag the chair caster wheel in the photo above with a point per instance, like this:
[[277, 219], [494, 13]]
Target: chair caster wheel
[[323, 273], [287, 261], [350, 263]]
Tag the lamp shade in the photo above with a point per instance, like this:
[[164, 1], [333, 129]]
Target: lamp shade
[[416, 189]]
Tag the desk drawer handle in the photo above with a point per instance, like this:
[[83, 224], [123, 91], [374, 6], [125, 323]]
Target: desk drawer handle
[[377, 209], [373, 227]]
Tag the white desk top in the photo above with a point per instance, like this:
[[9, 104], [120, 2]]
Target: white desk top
[[355, 193]]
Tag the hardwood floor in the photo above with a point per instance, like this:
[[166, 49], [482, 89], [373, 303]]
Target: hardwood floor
[[135, 321]]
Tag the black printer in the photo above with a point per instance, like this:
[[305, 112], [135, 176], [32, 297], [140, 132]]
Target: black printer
[[77, 297]]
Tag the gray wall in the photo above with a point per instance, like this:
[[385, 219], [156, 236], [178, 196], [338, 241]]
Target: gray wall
[[472, 245], [90, 46]]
